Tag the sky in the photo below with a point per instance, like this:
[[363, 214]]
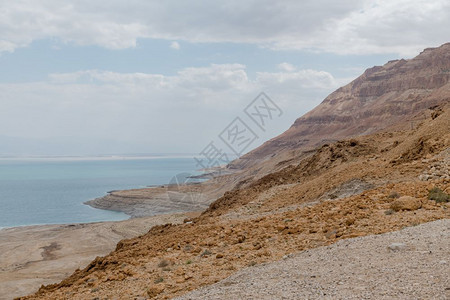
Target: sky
[[144, 76]]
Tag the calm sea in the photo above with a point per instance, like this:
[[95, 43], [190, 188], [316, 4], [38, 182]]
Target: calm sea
[[52, 191]]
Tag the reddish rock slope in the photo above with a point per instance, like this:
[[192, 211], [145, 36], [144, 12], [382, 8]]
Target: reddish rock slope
[[382, 96]]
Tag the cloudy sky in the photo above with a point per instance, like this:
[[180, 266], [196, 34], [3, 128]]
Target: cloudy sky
[[145, 76]]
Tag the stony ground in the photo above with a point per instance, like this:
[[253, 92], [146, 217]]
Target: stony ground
[[413, 263]]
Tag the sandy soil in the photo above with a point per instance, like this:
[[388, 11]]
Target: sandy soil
[[413, 263], [35, 255]]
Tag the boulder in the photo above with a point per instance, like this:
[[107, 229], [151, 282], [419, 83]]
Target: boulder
[[406, 203]]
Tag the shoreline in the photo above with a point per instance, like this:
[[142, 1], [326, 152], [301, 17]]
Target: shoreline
[[35, 255], [142, 207], [159, 200], [41, 254], [60, 224], [54, 208]]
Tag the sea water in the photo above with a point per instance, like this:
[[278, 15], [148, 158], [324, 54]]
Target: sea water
[[52, 190]]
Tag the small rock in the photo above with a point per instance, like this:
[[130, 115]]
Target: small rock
[[219, 255], [397, 247], [154, 291]]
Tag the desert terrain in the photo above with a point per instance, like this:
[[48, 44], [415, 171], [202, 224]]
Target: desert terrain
[[363, 186], [368, 170]]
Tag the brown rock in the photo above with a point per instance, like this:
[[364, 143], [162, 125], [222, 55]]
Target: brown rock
[[406, 203], [350, 221], [154, 291]]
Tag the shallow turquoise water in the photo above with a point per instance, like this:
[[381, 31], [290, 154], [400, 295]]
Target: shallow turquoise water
[[53, 191]]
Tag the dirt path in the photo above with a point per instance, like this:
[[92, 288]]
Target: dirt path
[[413, 263]]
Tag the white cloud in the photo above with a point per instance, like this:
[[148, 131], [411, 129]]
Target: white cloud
[[382, 26], [348, 26], [161, 113], [287, 67], [7, 46], [300, 79], [175, 45]]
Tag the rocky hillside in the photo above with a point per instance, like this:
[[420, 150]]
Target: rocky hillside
[[379, 98], [366, 185]]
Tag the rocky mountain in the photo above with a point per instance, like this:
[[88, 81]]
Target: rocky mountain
[[384, 95]]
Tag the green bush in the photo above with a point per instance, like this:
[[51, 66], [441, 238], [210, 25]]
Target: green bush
[[438, 195]]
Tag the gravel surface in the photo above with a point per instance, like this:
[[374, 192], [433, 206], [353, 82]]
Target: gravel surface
[[413, 263]]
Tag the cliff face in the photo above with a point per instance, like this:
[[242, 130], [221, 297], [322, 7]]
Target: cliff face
[[379, 98]]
